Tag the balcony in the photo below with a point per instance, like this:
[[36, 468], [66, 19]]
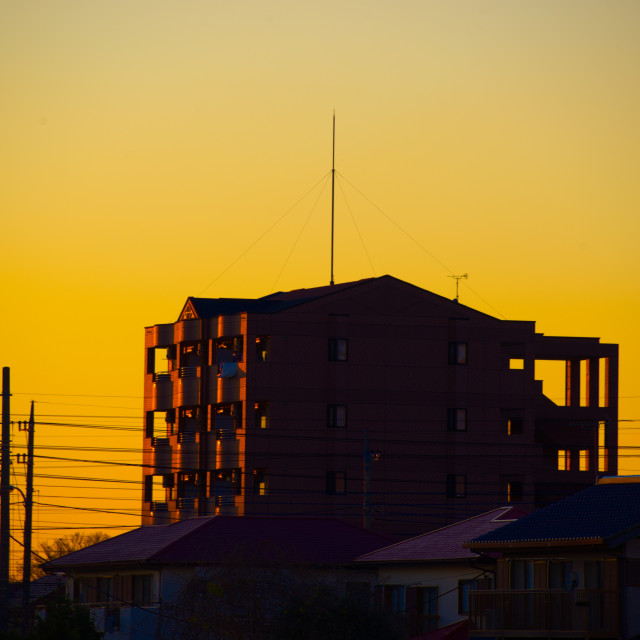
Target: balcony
[[159, 336], [187, 508], [160, 513], [161, 456], [188, 386], [162, 399], [227, 449], [188, 451], [549, 613]]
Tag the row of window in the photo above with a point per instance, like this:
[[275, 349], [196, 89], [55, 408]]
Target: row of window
[[230, 349], [229, 481], [229, 416]]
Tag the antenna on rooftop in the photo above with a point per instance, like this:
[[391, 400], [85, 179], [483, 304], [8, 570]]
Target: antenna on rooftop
[[464, 276], [333, 185]]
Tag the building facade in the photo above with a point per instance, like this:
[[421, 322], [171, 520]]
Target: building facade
[[374, 401]]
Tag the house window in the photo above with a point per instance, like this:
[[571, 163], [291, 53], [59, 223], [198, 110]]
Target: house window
[[393, 598], [564, 460], [421, 607], [261, 414], [558, 572], [263, 344], [516, 363], [337, 416], [141, 588], [105, 589], [456, 419], [514, 426], [260, 482], [584, 460], [521, 574], [456, 486], [338, 351], [336, 483], [514, 491], [229, 349], [464, 587], [457, 353]]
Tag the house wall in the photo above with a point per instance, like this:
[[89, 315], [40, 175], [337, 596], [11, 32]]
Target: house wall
[[397, 389], [444, 576]]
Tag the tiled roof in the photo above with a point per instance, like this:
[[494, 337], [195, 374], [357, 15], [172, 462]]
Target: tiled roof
[[209, 540], [281, 300], [445, 543], [274, 302], [604, 512]]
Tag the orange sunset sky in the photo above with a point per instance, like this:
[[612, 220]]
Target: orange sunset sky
[[154, 149]]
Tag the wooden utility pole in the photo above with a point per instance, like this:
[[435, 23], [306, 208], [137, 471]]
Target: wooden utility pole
[[5, 496]]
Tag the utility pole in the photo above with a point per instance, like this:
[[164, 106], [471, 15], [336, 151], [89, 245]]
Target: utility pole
[[5, 497], [369, 457], [28, 515]]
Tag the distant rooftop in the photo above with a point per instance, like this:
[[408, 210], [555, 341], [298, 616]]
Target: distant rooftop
[[445, 543], [607, 513], [210, 540]]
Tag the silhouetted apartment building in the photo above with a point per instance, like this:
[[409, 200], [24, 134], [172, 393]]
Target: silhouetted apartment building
[[373, 401]]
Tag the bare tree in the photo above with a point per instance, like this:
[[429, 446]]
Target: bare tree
[[52, 549]]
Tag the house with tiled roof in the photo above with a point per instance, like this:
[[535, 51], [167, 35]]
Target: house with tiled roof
[[570, 570], [428, 578], [134, 583]]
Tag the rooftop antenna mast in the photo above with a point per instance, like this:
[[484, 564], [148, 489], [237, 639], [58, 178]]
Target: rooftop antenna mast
[[333, 189], [464, 276]]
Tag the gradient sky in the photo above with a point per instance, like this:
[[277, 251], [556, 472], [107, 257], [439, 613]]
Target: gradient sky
[[153, 150]]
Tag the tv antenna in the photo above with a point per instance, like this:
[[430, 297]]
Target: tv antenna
[[464, 276], [333, 189]]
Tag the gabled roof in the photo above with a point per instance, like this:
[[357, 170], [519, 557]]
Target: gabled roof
[[209, 540], [606, 513], [282, 300], [445, 543]]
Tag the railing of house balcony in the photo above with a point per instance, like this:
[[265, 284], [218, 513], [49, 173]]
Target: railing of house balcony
[[583, 613], [188, 372], [162, 376], [186, 503]]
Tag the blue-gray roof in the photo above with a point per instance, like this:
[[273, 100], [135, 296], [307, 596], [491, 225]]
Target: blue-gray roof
[[607, 513]]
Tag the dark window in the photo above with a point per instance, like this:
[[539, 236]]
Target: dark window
[[515, 491], [263, 346], [148, 488], [260, 482], [261, 414], [421, 609], [456, 486], [149, 424], [464, 586], [514, 426], [456, 419], [336, 482], [457, 353], [521, 574], [142, 588], [337, 416], [559, 574], [338, 351]]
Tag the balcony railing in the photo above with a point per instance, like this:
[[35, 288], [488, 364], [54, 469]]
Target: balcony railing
[[582, 613]]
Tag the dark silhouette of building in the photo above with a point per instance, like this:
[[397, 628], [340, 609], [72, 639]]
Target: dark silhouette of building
[[373, 401]]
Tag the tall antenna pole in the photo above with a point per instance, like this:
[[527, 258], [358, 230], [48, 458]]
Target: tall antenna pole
[[333, 189]]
